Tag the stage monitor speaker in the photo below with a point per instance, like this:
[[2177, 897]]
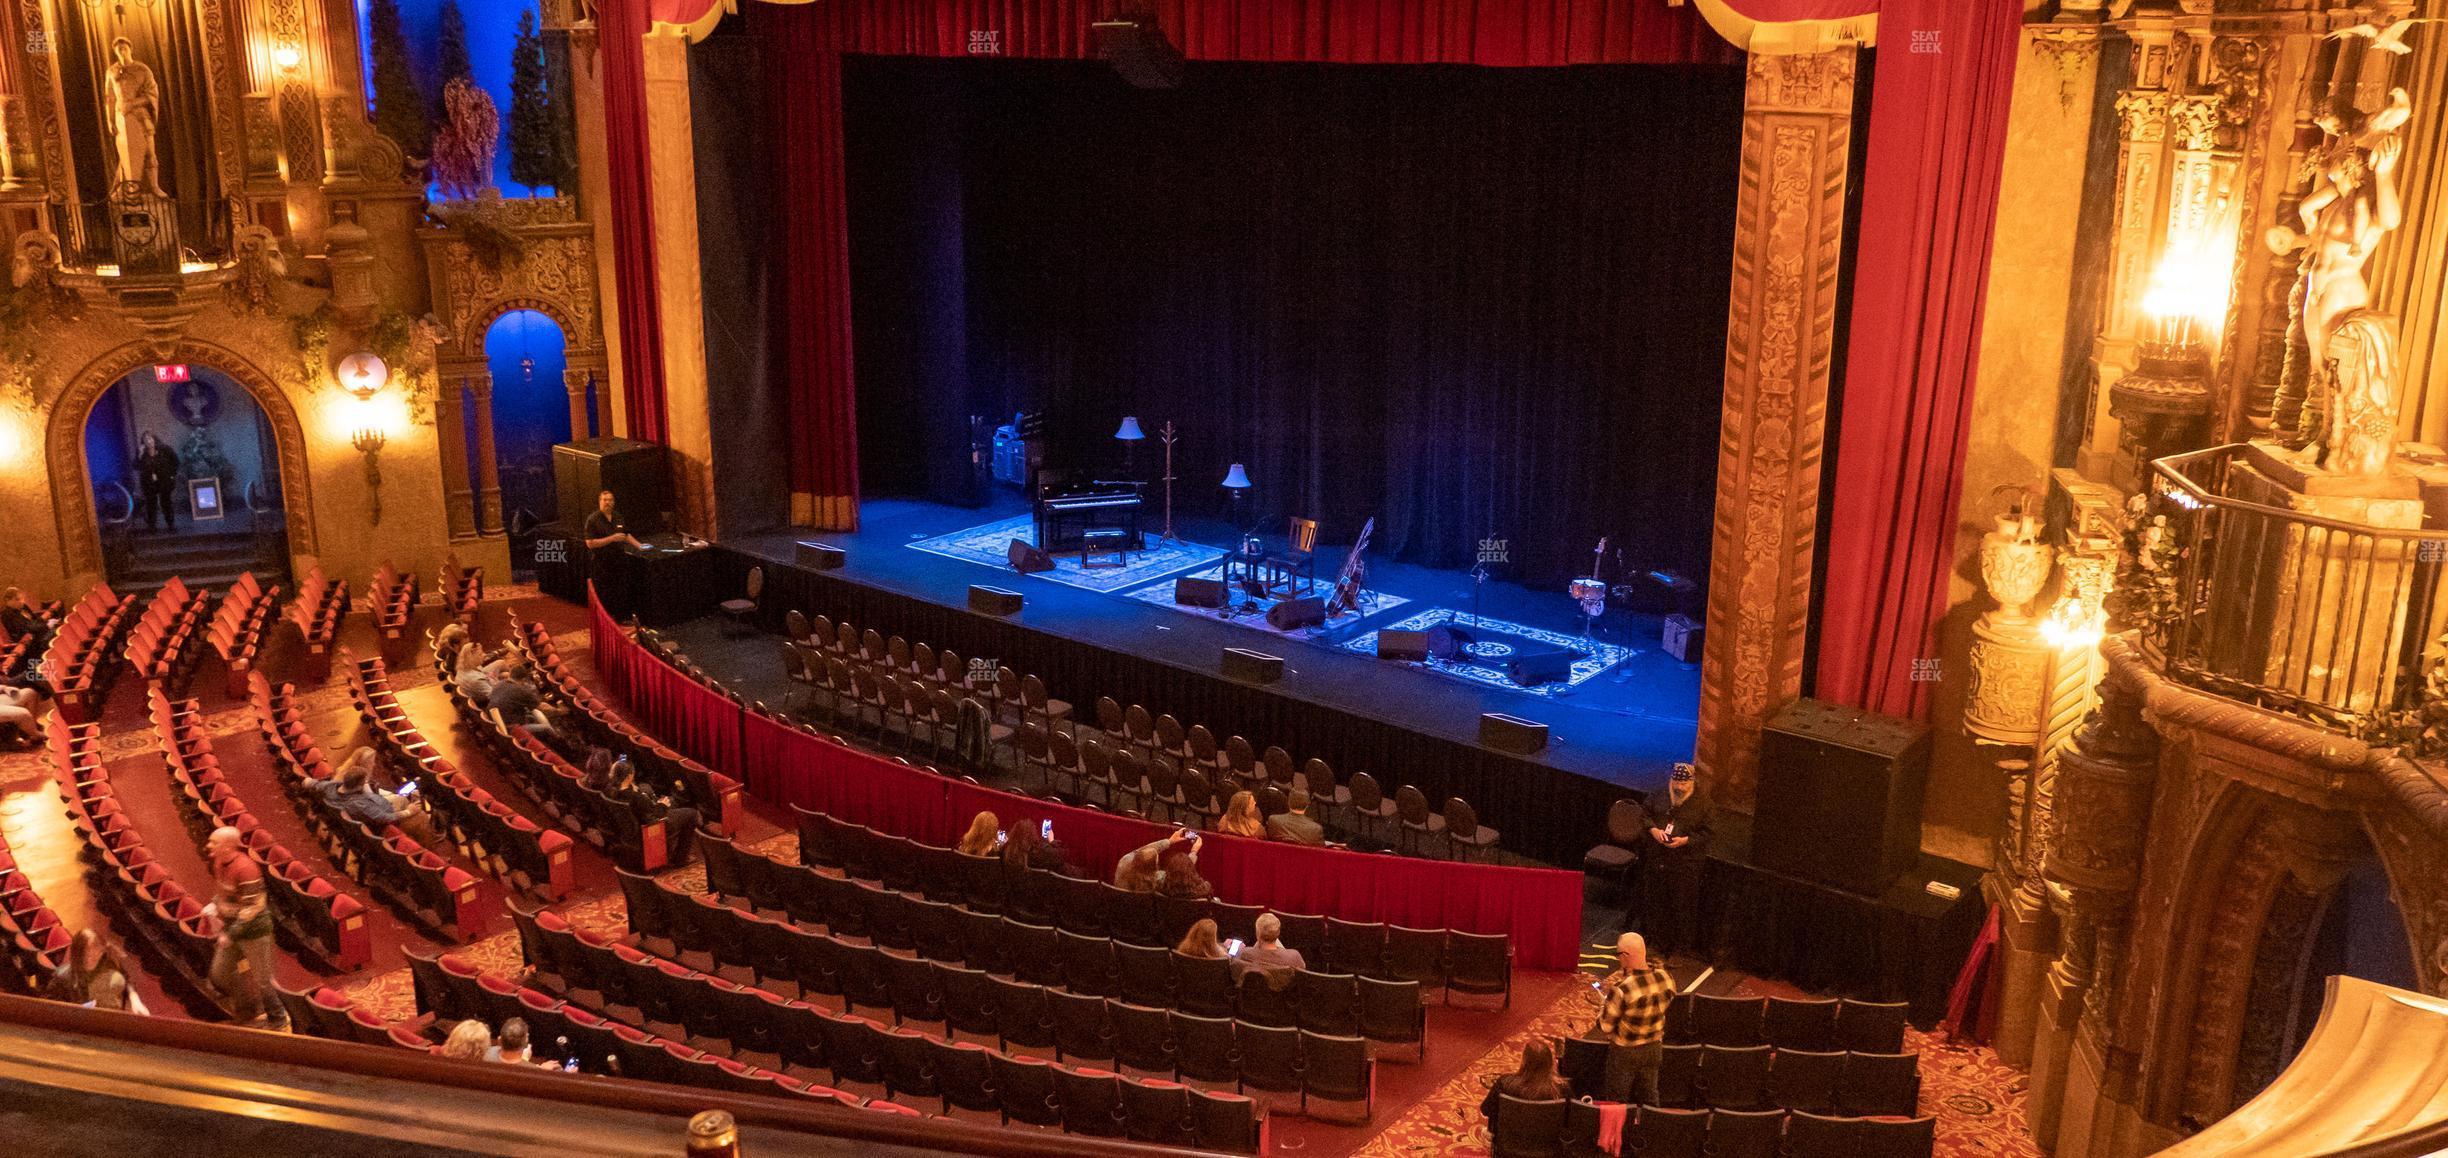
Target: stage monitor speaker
[[1307, 611], [1531, 669], [1445, 641], [993, 600], [1192, 591], [637, 473], [821, 556], [1026, 558], [1138, 50], [1681, 638], [1839, 796], [1409, 646], [1512, 734], [1255, 667]]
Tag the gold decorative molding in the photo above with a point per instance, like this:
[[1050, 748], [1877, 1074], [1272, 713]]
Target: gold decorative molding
[[1780, 334]]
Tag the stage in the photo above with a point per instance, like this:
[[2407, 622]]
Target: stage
[[1617, 729]]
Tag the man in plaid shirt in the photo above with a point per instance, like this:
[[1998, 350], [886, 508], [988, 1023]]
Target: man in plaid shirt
[[1633, 1024]]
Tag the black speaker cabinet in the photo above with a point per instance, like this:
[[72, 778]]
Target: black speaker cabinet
[[993, 600], [1445, 641], [1531, 669], [1512, 734], [1191, 591], [637, 474], [1308, 611], [1025, 558], [1255, 667], [1410, 646], [1839, 797], [821, 556]]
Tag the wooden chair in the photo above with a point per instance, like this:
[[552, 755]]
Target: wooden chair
[[742, 612], [1298, 559]]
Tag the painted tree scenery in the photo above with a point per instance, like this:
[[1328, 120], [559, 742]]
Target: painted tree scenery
[[536, 160], [399, 108]]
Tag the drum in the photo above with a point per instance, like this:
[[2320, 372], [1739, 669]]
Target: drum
[[1590, 593]]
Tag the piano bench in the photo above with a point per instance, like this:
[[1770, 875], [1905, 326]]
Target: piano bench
[[1103, 542]]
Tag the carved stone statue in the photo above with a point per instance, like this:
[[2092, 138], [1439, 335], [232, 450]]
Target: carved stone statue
[[134, 99], [2353, 206], [2014, 563]]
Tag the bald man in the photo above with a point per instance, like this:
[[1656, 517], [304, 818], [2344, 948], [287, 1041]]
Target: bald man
[[242, 954], [1633, 1024]]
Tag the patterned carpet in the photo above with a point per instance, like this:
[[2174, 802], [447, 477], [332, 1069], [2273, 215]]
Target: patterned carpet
[[985, 546], [1373, 602], [1978, 1099], [1497, 642]]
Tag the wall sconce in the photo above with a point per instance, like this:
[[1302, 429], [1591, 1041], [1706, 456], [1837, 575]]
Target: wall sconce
[[364, 375], [369, 442], [287, 57]]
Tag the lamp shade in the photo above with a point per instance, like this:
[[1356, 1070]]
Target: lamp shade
[[1130, 431], [362, 374], [1236, 478]]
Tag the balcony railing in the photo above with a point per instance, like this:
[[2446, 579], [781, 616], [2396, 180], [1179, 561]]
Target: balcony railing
[[142, 234], [2321, 607]]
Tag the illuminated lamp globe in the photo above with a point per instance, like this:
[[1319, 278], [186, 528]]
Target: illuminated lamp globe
[[363, 374]]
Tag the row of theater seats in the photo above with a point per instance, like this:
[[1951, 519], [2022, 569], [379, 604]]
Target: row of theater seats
[[558, 787], [624, 984], [523, 854], [1716, 1077], [1812, 1023], [161, 647], [83, 660], [717, 797], [321, 920], [1557, 1129], [237, 629], [320, 605], [1447, 959], [964, 959], [392, 601], [1144, 763], [462, 590], [167, 921], [413, 879], [599, 1046], [36, 944]]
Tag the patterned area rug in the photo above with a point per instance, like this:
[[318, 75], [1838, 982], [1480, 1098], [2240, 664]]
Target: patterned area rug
[[1372, 603], [987, 546], [1495, 643], [1977, 1099]]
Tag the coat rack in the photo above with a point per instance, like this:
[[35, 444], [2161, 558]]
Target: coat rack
[[1165, 436]]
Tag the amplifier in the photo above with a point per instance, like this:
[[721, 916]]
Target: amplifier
[[1445, 641], [1191, 591], [1255, 667], [1411, 646], [1540, 667], [1839, 796], [1025, 557], [1681, 637], [993, 600], [820, 557], [1512, 734], [1308, 611]]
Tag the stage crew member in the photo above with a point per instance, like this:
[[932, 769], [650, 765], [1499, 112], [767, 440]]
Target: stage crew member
[[1671, 858], [606, 532]]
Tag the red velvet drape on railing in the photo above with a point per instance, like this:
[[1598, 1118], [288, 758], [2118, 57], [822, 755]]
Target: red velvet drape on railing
[[1929, 203], [621, 26], [1539, 908]]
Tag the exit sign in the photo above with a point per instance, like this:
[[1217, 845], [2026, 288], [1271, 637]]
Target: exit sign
[[170, 373]]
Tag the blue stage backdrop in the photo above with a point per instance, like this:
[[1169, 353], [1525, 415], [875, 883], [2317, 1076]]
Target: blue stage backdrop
[[1462, 300]]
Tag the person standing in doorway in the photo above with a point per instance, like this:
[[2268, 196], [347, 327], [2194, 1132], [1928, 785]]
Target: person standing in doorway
[[157, 474]]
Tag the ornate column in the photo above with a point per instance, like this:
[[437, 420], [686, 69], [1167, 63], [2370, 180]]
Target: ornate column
[[689, 421], [1781, 325], [575, 379], [488, 464], [450, 427], [2141, 184], [2101, 815], [2004, 710]]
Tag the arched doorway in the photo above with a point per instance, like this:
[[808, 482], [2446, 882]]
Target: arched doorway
[[526, 354], [211, 505]]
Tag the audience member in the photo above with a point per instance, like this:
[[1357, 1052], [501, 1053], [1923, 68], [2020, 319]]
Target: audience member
[[1241, 816], [1535, 1081], [352, 790], [1143, 867], [596, 775], [983, 837], [1268, 957], [157, 481], [1029, 848], [1295, 827], [512, 1046], [92, 976], [469, 1041], [19, 711], [242, 953], [22, 620], [1201, 941], [1181, 876], [450, 640], [679, 819], [1633, 1023], [514, 696]]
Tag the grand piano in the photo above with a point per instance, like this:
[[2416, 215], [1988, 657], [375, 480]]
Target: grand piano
[[1068, 508]]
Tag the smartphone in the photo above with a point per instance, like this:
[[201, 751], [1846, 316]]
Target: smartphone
[[1232, 948], [408, 789], [1045, 830]]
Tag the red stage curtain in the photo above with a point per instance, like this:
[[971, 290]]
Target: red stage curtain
[[1539, 908], [1929, 203], [622, 26], [812, 296]]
